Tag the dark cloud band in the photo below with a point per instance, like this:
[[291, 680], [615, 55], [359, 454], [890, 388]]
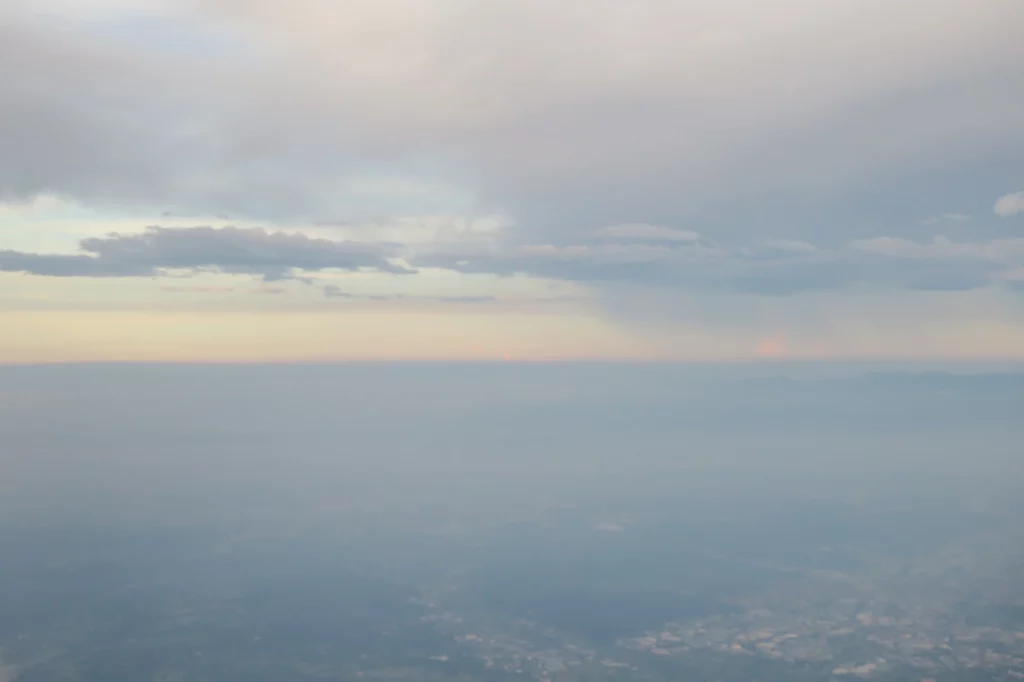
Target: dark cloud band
[[272, 255]]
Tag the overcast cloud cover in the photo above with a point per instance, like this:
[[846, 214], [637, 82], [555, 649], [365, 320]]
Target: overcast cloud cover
[[662, 150]]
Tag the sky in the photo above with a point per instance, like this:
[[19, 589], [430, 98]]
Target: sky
[[217, 180]]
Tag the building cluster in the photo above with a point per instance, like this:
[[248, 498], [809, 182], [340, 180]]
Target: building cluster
[[863, 636]]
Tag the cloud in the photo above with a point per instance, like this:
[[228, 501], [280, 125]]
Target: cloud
[[319, 109], [711, 143], [948, 218], [198, 289], [160, 250], [1009, 205], [90, 119], [644, 116], [646, 232], [334, 291], [1013, 275], [766, 266], [651, 256], [697, 265], [572, 262], [942, 248]]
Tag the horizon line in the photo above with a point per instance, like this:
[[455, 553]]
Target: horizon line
[[801, 360]]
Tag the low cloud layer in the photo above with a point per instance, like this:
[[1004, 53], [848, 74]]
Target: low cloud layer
[[766, 267], [646, 255], [160, 250], [334, 291]]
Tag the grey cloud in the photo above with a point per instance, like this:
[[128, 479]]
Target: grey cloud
[[272, 255], [696, 263], [700, 265], [198, 289], [58, 265], [776, 249], [110, 123], [684, 105], [466, 299], [85, 119], [334, 291], [768, 267], [948, 218], [941, 264], [942, 248]]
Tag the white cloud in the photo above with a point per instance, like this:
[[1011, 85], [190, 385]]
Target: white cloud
[[948, 218], [422, 230], [897, 247], [941, 248], [1013, 275], [41, 206], [1009, 205]]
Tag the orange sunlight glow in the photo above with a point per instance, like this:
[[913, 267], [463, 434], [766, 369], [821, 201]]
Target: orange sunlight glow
[[771, 347]]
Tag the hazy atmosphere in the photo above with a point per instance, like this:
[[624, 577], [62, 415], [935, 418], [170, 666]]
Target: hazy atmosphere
[[144, 444], [511, 341], [553, 522]]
